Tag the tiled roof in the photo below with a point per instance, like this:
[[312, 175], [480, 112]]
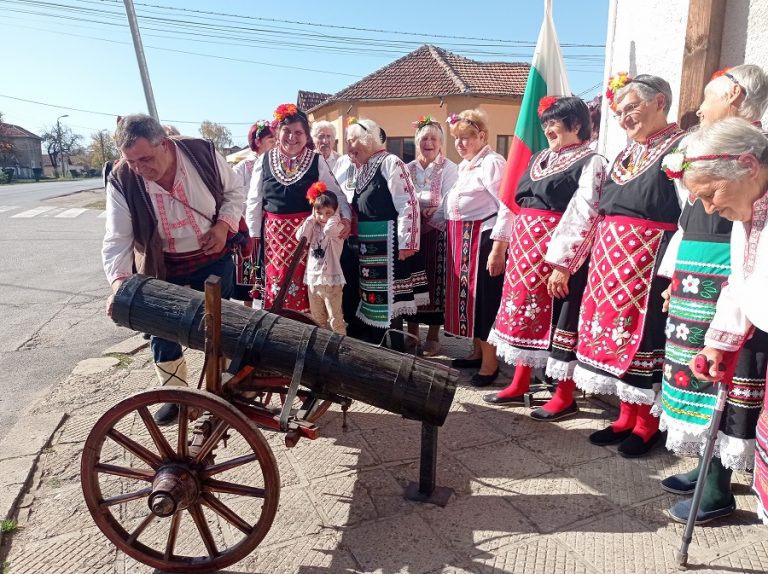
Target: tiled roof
[[431, 71], [308, 100], [13, 131]]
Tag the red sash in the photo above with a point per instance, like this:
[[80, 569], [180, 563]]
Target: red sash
[[279, 246], [461, 276], [615, 304], [761, 460], [525, 313]]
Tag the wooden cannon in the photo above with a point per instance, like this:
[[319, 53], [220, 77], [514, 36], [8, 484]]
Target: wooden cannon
[[201, 495]]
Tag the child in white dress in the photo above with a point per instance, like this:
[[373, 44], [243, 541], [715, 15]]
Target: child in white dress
[[324, 277]]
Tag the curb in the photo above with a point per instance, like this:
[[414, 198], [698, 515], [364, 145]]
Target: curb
[[21, 448]]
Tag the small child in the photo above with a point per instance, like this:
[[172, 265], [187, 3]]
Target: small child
[[324, 277]]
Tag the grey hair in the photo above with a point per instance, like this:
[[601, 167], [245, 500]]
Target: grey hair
[[368, 133], [646, 87], [430, 128], [754, 81], [317, 126], [730, 136], [136, 126]]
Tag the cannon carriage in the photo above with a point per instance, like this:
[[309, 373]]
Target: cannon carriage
[[201, 495]]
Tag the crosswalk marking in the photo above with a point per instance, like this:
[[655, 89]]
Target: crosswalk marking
[[33, 212], [4, 208], [103, 215], [73, 212]]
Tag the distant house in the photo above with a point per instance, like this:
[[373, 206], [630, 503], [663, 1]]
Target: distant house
[[432, 81], [27, 153]]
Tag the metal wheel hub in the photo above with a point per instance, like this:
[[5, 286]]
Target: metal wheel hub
[[174, 488]]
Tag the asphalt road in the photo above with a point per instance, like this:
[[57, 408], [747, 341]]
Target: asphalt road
[[52, 292]]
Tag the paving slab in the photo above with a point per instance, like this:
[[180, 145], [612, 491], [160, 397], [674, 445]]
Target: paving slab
[[95, 365]]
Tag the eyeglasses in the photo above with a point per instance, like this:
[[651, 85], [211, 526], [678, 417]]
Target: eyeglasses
[[628, 109], [735, 81]]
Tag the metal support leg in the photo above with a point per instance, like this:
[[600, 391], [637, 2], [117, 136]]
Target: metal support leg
[[425, 490]]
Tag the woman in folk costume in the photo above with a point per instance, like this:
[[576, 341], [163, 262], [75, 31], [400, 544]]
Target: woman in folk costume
[[433, 176], [620, 345], [277, 203], [726, 169], [546, 245], [701, 266], [261, 139], [468, 211], [388, 231]]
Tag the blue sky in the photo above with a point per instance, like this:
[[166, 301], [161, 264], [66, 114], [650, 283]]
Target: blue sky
[[234, 61]]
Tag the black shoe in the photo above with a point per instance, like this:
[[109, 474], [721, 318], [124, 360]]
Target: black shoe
[[634, 446], [167, 414], [146, 336], [680, 511], [678, 484], [608, 436], [479, 380], [495, 399], [541, 414], [466, 363]]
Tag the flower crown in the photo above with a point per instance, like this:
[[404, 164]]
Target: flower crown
[[615, 83], [259, 126], [284, 111], [453, 119], [425, 121], [675, 163], [545, 103], [355, 121], [315, 190]]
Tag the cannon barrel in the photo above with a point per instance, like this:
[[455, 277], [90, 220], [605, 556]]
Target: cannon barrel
[[334, 364]]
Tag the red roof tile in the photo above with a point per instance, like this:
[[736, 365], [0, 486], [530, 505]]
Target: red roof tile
[[431, 71], [13, 131]]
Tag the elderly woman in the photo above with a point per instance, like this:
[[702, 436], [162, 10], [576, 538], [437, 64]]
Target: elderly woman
[[433, 175], [469, 212], [620, 346], [546, 245], [725, 167], [277, 202], [261, 139], [324, 136], [389, 231], [703, 266]]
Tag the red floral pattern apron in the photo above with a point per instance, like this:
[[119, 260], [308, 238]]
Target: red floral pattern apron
[[279, 246]]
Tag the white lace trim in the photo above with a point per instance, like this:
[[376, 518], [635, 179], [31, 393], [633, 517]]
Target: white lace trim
[[682, 439], [591, 382], [515, 355], [560, 370]]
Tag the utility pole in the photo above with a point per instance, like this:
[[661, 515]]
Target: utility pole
[[60, 137], [139, 48]]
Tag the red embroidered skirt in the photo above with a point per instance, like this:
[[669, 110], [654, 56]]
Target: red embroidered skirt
[[279, 246], [523, 329], [461, 276], [761, 463], [615, 304]]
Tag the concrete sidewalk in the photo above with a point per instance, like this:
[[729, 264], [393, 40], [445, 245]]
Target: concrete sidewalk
[[528, 497]]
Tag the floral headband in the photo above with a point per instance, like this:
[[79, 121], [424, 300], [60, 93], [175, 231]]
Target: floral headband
[[315, 190], [675, 163], [615, 83], [285, 111], [725, 72], [454, 119], [545, 103], [425, 121], [354, 121], [259, 127]]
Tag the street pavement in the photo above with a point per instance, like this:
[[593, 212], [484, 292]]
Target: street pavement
[[528, 497]]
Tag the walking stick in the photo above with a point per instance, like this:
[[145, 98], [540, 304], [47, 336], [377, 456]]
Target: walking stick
[[702, 366]]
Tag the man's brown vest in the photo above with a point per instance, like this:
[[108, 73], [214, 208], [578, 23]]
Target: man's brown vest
[[147, 245]]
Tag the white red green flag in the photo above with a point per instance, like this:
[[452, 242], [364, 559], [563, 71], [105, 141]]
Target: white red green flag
[[547, 77]]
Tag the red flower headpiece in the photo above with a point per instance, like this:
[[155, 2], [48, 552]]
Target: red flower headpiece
[[284, 111], [615, 83], [545, 103], [719, 73], [315, 190]]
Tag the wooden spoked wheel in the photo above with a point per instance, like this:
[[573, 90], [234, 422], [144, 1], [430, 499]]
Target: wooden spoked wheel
[[190, 497]]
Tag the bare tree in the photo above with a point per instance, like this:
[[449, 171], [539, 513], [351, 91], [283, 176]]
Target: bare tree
[[218, 134], [7, 149], [60, 140]]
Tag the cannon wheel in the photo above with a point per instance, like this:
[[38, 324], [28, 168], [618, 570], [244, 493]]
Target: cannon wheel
[[224, 505]]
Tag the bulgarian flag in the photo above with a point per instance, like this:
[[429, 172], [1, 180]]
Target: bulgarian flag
[[546, 78]]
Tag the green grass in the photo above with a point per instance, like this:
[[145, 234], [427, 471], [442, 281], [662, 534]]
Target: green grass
[[124, 359], [8, 526], [101, 204], [54, 483], [5, 568]]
